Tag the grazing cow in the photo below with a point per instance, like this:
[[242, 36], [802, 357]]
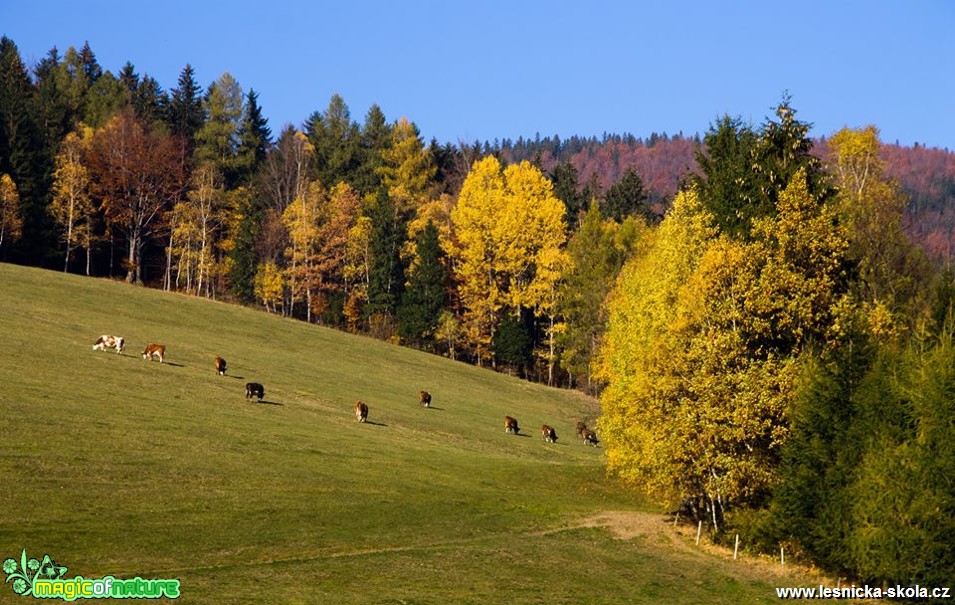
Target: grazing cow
[[110, 342], [220, 366], [581, 427], [425, 398], [157, 350], [510, 425], [361, 411], [254, 389], [549, 434], [589, 437]]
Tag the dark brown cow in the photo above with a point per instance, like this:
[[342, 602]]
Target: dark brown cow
[[589, 437], [157, 350], [424, 397], [510, 425], [254, 389], [581, 427], [549, 434], [361, 411], [220, 366]]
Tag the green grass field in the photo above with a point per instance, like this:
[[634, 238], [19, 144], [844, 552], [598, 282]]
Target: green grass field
[[115, 465]]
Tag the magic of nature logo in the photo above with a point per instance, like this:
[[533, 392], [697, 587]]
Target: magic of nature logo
[[44, 579]]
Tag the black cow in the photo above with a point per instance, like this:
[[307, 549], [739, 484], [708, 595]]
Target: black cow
[[254, 389]]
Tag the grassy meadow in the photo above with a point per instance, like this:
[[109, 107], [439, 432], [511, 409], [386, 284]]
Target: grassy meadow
[[115, 465]]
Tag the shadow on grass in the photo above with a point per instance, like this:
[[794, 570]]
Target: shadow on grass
[[431, 407], [267, 402], [173, 364], [374, 423]]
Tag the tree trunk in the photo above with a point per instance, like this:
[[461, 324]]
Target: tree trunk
[[69, 239], [131, 260]]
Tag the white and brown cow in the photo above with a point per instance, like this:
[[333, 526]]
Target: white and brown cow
[[549, 434], [424, 397], [107, 341], [589, 437], [361, 411], [152, 350], [220, 366], [510, 425], [254, 389]]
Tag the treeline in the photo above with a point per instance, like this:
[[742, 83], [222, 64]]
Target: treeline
[[779, 358], [359, 226]]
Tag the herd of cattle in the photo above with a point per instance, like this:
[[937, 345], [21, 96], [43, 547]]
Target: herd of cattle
[[254, 389]]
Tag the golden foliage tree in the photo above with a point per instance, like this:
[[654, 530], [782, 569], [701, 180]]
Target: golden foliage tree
[[508, 234], [71, 207], [11, 224], [302, 218], [871, 205], [702, 353]]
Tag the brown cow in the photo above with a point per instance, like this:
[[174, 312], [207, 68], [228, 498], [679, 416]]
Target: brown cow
[[581, 427], [220, 366], [589, 437], [157, 350], [549, 434], [109, 342], [424, 397], [361, 411], [510, 425]]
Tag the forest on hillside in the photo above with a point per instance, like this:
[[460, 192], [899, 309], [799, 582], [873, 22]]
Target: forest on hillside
[[767, 318]]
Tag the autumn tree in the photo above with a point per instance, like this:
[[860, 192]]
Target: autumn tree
[[407, 170], [339, 221], [302, 218], [507, 228], [137, 173], [197, 225], [702, 355], [11, 225], [891, 270], [72, 207]]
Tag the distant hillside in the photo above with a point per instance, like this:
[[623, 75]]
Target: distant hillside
[[926, 175]]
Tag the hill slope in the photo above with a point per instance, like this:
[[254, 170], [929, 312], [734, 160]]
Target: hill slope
[[116, 465]]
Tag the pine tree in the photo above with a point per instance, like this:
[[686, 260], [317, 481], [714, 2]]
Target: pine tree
[[626, 198], [375, 139], [726, 184], [386, 275], [150, 100], [23, 156], [336, 141], [185, 115], [255, 138], [566, 182], [427, 292]]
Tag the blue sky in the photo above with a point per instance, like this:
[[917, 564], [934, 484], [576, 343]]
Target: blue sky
[[496, 69]]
